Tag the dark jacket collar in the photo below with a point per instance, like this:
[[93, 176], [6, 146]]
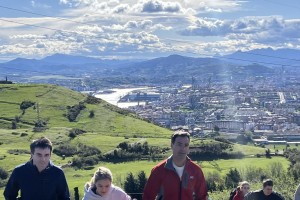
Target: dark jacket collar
[[31, 165]]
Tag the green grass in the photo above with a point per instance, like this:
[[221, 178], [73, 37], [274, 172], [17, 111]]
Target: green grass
[[248, 149], [53, 102], [223, 166]]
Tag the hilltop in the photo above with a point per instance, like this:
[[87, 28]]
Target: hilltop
[[53, 103]]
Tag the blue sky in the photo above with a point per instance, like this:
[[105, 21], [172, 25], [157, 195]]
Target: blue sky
[[126, 29]]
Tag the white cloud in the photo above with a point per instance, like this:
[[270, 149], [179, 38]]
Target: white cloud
[[121, 8], [160, 6], [266, 26], [118, 27]]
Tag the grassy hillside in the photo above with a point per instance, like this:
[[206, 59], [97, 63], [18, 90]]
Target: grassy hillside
[[53, 102], [109, 127]]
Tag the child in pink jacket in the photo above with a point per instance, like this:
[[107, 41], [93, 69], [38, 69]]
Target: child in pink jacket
[[101, 188]]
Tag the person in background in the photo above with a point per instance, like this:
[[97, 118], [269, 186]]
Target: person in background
[[177, 177], [265, 193], [242, 190], [39, 178], [101, 188]]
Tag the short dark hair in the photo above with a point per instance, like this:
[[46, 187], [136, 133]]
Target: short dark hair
[[267, 182], [179, 133], [42, 143]]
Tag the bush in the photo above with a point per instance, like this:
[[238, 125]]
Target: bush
[[23, 134], [84, 150], [75, 131], [26, 104], [3, 174], [18, 151], [40, 125], [83, 162], [14, 124], [92, 100], [92, 114], [67, 150], [74, 111]]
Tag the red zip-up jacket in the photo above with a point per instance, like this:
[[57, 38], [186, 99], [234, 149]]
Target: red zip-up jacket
[[165, 184]]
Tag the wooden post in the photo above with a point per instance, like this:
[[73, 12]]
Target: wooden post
[[76, 195]]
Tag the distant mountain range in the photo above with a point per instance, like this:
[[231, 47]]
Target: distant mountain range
[[173, 67], [268, 57]]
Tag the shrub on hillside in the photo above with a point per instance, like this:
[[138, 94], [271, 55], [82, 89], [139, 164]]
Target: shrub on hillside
[[23, 134], [137, 150], [84, 150], [18, 151], [65, 149], [3, 174], [92, 114], [73, 111], [40, 125], [75, 131], [26, 104], [83, 162], [92, 100], [220, 139], [14, 124], [232, 178], [17, 119]]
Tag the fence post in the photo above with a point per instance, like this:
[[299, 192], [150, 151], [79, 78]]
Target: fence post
[[76, 195]]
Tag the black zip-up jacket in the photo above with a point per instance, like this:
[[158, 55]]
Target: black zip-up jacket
[[50, 184], [259, 195]]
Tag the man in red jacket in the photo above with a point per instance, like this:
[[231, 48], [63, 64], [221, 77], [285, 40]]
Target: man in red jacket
[[177, 178]]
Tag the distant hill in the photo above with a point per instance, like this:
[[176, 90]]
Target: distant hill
[[61, 64], [168, 69], [177, 67], [70, 60], [268, 57]]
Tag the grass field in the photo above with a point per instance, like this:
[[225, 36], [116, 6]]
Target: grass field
[[77, 178]]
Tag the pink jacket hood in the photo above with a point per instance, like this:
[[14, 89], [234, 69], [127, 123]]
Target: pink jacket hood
[[114, 193]]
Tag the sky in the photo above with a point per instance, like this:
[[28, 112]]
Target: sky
[[140, 29]]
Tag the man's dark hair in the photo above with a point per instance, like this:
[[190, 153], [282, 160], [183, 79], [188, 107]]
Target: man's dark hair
[[267, 182], [179, 133], [42, 143]]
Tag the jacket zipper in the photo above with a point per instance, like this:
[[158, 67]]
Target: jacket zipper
[[180, 187]]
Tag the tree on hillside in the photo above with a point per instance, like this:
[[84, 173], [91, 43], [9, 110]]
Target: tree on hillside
[[130, 185], [141, 181], [92, 114], [40, 125], [232, 178], [13, 124]]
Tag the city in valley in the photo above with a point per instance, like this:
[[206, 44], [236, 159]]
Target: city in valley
[[267, 107]]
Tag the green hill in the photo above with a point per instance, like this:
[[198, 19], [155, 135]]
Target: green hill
[[108, 127], [53, 102]]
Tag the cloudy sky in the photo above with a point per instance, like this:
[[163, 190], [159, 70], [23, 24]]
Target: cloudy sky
[[128, 29]]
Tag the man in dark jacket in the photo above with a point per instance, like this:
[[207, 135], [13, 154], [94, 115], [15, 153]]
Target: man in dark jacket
[[266, 193], [38, 179], [177, 178]]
